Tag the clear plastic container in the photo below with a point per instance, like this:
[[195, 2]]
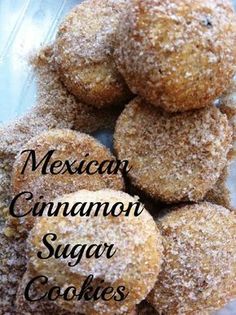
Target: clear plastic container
[[25, 25]]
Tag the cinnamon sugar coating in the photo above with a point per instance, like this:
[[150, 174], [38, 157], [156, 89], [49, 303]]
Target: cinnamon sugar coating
[[174, 157], [55, 108], [69, 145], [180, 54], [220, 193], [199, 269], [12, 268], [135, 265], [83, 53], [228, 106]]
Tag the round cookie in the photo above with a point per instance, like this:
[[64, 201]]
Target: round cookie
[[135, 264], [179, 54], [68, 145], [199, 268], [83, 53], [174, 157]]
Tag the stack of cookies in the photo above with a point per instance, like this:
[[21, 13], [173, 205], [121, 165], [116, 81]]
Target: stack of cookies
[[160, 66]]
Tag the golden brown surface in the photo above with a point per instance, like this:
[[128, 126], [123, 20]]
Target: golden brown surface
[[53, 98], [179, 54], [220, 193], [228, 106], [69, 145], [174, 157], [83, 53], [196, 51], [199, 269], [55, 108], [135, 265]]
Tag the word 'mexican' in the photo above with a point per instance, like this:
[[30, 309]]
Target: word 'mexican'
[[49, 165]]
